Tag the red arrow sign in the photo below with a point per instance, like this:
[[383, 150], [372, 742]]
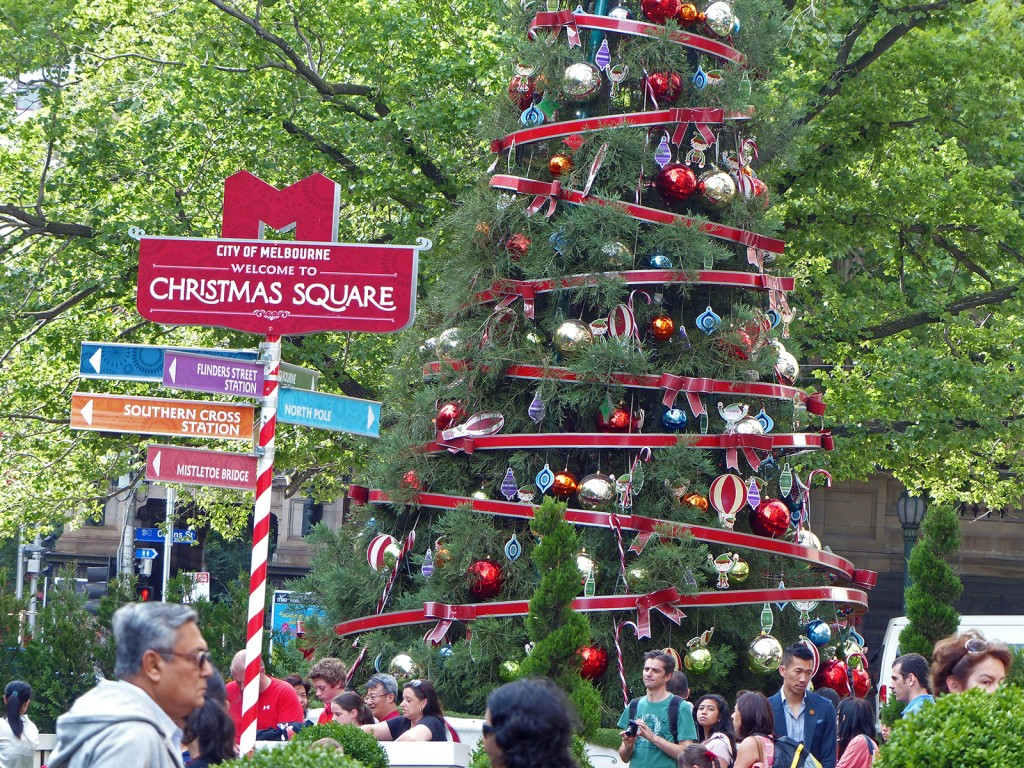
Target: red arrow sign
[[193, 466]]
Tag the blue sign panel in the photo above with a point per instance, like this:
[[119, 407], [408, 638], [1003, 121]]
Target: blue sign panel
[[181, 535], [140, 362], [341, 414], [145, 554]]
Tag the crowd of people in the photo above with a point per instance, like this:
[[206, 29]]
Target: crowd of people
[[169, 708]]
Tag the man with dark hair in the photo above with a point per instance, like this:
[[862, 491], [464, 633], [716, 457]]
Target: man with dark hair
[[663, 722], [162, 664], [381, 695], [800, 714], [910, 682], [679, 685]]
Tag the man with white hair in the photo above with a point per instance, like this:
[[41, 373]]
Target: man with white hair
[[162, 666]]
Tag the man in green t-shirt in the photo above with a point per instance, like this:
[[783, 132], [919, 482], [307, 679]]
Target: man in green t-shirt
[[654, 745]]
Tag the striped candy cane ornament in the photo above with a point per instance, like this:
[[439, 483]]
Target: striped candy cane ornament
[[271, 356]]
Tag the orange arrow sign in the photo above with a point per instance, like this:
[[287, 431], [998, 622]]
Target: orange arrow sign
[[157, 416]]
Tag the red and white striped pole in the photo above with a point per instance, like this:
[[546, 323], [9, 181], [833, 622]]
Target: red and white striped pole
[[271, 356]]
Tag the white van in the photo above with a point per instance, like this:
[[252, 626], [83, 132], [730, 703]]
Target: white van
[[1008, 629]]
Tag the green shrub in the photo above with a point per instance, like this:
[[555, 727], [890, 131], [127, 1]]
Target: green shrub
[[967, 729], [296, 754], [891, 711], [358, 745]]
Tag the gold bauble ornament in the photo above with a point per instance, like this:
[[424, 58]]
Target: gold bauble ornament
[[717, 189], [739, 571], [559, 165], [572, 336], [596, 492]]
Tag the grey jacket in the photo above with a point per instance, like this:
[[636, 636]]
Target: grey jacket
[[116, 725]]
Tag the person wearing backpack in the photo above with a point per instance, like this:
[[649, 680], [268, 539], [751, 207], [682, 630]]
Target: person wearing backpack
[[657, 727], [856, 727], [803, 716], [754, 724]]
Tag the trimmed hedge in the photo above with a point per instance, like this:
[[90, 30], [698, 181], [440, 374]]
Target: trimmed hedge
[[358, 745], [295, 755], [976, 729]]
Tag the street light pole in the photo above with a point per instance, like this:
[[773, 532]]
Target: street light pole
[[910, 511]]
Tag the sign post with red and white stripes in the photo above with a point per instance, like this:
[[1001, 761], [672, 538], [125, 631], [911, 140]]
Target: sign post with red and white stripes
[[244, 282]]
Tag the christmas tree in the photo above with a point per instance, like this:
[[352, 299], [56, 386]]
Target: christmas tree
[[605, 328]]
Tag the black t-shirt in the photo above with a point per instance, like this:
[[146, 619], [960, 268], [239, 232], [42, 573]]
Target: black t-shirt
[[399, 725]]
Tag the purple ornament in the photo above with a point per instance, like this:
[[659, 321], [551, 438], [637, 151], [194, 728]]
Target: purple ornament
[[604, 55], [663, 154], [753, 495], [537, 409], [509, 486], [428, 565]]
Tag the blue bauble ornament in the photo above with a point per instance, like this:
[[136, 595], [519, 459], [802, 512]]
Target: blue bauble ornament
[[659, 260], [674, 419], [819, 632]]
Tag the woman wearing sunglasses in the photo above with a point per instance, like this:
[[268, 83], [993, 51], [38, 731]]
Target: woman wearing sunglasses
[[967, 661], [422, 717]]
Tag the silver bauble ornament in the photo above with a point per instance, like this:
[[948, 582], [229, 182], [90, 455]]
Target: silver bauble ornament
[[720, 18], [717, 188], [697, 660], [572, 336], [621, 13], [764, 655], [787, 366], [748, 425], [807, 539], [403, 666], [596, 492], [581, 82]]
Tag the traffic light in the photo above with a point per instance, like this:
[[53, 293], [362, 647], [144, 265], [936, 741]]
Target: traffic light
[[95, 586], [143, 592]]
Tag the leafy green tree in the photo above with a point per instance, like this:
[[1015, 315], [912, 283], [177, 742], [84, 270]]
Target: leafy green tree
[[935, 586]]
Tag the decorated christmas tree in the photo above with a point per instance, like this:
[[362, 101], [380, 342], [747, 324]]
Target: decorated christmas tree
[[605, 327]]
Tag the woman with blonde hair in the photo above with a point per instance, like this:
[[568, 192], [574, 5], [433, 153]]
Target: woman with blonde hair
[[968, 660]]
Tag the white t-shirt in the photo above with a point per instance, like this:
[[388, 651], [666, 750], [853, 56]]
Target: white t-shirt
[[18, 752]]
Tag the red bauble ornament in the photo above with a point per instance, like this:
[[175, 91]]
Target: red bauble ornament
[[675, 182], [521, 91], [660, 11], [861, 682], [564, 486], [593, 661], [450, 414], [832, 674], [411, 480], [485, 578], [517, 245], [666, 86], [619, 420], [771, 518], [663, 328], [736, 343], [559, 165]]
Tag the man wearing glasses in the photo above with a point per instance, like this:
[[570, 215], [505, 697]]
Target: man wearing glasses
[[163, 663], [381, 694]]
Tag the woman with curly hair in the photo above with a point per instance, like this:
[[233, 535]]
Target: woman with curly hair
[[963, 662], [529, 723]]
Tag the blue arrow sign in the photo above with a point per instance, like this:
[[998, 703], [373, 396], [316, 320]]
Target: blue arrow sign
[[155, 535], [341, 414], [145, 362], [140, 362], [145, 554]]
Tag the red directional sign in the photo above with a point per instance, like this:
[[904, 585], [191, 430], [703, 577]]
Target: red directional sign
[[277, 287], [193, 466]]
